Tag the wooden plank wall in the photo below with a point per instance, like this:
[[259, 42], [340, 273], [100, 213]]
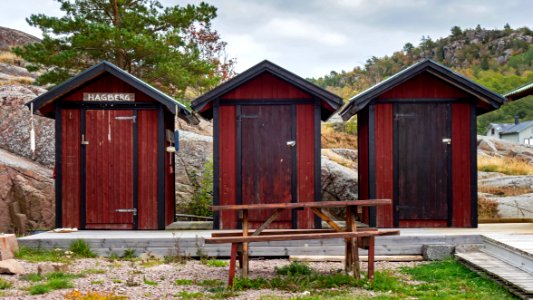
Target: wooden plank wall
[[70, 167], [147, 163], [423, 86], [170, 184], [461, 165], [362, 146], [265, 86], [384, 162]]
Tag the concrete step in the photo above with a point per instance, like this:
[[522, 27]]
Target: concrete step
[[514, 279], [516, 250]]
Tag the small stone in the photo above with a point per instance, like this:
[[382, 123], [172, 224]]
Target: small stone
[[51, 267], [11, 267], [8, 246], [437, 252]]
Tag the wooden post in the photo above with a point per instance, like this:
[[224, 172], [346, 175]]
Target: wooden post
[[351, 211], [232, 263], [348, 242], [371, 253], [245, 245]]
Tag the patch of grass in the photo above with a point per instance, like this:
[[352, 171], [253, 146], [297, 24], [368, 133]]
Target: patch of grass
[[151, 263], [81, 249], [189, 295], [4, 284], [129, 254], [332, 138], [55, 281], [449, 279], [504, 191], [505, 165], [487, 208], [183, 282], [116, 280], [39, 289], [215, 263], [33, 277], [35, 255], [77, 295], [294, 268], [211, 283], [149, 282], [97, 282], [93, 271]]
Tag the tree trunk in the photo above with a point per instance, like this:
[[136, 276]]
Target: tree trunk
[[119, 52]]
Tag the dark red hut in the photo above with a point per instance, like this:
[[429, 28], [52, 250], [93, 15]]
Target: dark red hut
[[417, 146], [266, 142], [112, 132]]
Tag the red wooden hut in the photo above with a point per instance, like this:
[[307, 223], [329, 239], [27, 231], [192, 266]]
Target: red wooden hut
[[112, 131], [417, 146], [266, 142]]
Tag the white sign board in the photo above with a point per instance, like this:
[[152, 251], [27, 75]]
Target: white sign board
[[108, 96]]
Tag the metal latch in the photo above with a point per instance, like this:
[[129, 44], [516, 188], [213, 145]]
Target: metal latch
[[133, 118], [83, 140], [447, 140], [291, 143], [127, 210]]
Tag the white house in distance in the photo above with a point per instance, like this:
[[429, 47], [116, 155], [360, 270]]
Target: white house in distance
[[521, 133]]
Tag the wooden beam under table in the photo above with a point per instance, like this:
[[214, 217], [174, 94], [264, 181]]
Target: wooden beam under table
[[322, 204], [289, 237]]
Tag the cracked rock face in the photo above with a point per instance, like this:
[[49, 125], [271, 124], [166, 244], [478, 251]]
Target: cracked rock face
[[26, 195]]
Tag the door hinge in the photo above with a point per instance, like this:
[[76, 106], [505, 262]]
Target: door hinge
[[127, 210], [83, 140], [133, 118], [291, 143]]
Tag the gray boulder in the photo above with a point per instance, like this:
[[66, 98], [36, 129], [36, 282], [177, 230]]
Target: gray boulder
[[515, 206]]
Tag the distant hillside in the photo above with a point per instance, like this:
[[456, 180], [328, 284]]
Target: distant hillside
[[12, 69], [498, 59]]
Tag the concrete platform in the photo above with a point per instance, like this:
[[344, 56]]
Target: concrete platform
[[191, 242]]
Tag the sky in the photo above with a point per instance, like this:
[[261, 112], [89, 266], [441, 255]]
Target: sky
[[313, 37]]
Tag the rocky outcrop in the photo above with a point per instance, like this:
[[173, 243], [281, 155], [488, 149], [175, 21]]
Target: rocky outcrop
[[515, 206], [488, 146], [26, 195], [339, 180], [15, 125], [195, 151], [10, 38]]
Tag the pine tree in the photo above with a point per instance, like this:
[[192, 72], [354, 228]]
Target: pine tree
[[173, 48]]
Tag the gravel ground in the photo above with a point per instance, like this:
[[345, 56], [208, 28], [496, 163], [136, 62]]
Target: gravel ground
[[113, 277]]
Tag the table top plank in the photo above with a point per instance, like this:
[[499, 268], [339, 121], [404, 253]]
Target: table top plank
[[321, 204]]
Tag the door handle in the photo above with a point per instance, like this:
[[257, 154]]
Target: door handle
[[447, 141], [291, 143]]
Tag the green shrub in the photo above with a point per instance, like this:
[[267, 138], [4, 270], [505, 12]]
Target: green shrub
[[294, 268], [4, 284], [202, 197], [81, 249], [129, 254]]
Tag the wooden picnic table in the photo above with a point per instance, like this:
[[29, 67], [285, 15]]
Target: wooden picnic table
[[351, 234]]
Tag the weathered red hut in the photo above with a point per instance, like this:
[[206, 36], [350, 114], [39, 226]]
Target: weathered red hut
[[266, 142], [112, 132], [417, 146]]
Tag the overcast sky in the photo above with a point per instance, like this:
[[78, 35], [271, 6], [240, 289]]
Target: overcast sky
[[313, 37]]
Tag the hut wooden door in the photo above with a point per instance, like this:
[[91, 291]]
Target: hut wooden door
[[423, 160], [109, 169], [267, 149]]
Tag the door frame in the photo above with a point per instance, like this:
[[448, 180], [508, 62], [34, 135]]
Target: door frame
[[294, 156], [112, 105], [449, 196]]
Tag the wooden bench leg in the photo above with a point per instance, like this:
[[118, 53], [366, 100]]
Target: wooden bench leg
[[348, 256], [371, 253], [245, 227], [232, 263]]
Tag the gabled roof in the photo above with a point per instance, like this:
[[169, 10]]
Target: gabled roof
[[103, 67], [501, 126], [266, 66], [520, 92], [363, 99], [517, 128]]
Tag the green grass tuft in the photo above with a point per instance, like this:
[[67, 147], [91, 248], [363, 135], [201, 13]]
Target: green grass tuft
[[184, 282], [215, 263], [189, 295], [129, 254], [81, 249], [4, 284], [294, 268], [149, 282]]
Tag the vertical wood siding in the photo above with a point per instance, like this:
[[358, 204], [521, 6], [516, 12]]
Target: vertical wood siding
[[70, 154], [147, 162], [384, 162], [461, 165], [306, 162], [227, 173]]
